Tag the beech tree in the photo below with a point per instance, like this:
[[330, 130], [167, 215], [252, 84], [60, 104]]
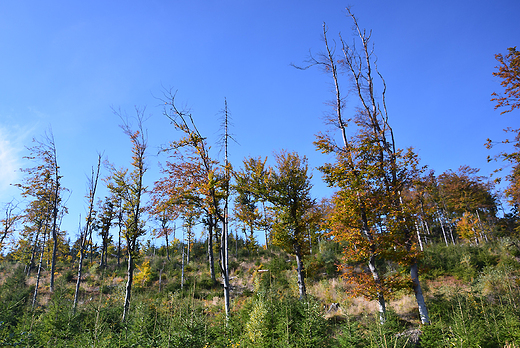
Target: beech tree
[[204, 180], [465, 195], [287, 188], [164, 213], [246, 211], [509, 73], [43, 183], [107, 214], [183, 191], [129, 188], [370, 173]]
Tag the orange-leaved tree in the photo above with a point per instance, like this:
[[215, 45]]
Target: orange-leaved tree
[[370, 173], [43, 184], [509, 73], [195, 180]]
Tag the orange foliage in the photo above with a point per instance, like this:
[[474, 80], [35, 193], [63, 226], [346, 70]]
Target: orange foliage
[[509, 72]]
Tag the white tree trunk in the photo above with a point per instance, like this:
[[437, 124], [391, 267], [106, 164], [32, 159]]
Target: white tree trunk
[[423, 310], [380, 297], [128, 292]]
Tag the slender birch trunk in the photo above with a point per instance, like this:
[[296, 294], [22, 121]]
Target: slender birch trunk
[[443, 231], [78, 281]]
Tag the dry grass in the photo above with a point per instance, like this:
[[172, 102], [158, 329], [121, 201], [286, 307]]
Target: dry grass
[[336, 291], [448, 286]]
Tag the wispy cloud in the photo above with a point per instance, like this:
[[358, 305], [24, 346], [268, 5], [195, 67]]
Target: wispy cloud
[[12, 141]]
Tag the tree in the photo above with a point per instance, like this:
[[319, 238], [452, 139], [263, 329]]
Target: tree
[[247, 184], [465, 195], [105, 219], [370, 173], [8, 223], [209, 180], [129, 188], [164, 213], [183, 191], [509, 72], [287, 188], [247, 213], [44, 182], [92, 186]]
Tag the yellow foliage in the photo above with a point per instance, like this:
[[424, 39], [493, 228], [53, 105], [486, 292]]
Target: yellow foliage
[[256, 325], [144, 277], [469, 228]]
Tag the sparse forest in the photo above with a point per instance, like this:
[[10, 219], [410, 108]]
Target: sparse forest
[[398, 256]]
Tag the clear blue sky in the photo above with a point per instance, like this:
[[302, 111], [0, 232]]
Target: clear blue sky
[[64, 64]]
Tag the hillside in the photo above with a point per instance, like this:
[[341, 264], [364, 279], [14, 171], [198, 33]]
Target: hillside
[[472, 294]]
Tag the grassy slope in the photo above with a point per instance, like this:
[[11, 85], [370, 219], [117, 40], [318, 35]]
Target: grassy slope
[[472, 292]]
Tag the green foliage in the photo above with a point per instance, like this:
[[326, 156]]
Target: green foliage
[[285, 322], [471, 320], [462, 261], [14, 297], [325, 262], [483, 312]]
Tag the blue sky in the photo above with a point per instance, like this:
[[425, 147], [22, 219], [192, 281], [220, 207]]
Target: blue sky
[[64, 65]]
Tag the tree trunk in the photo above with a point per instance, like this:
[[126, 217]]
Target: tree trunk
[[451, 234], [443, 230], [130, 278], [54, 246], [78, 281], [39, 273], [224, 266], [211, 257], [119, 249], [182, 264], [35, 248], [423, 311], [189, 246], [301, 277], [167, 246], [419, 236], [380, 296]]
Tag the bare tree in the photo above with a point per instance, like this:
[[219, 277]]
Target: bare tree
[[92, 186], [373, 169], [129, 188], [8, 223]]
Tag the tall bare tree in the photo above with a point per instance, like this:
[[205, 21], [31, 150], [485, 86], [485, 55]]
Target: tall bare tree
[[9, 222], [370, 171], [129, 188], [92, 186]]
